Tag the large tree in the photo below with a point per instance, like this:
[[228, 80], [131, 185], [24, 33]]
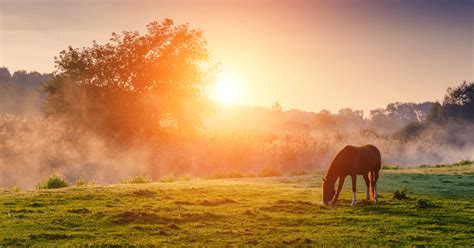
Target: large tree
[[458, 104], [135, 84]]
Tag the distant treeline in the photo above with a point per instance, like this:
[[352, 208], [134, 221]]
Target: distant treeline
[[20, 92], [389, 119], [31, 80]]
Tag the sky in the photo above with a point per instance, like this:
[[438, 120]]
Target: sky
[[309, 55]]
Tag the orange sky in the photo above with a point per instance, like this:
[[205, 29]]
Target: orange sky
[[310, 55]]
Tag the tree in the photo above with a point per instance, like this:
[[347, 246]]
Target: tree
[[135, 84], [349, 118], [459, 103], [5, 75], [435, 114], [325, 120], [461, 95], [276, 107]]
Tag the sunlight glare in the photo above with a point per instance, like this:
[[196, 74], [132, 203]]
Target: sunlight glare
[[225, 91]]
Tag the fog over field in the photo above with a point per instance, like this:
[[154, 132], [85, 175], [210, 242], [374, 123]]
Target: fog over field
[[234, 140]]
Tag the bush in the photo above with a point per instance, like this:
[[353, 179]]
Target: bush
[[425, 204], [464, 162], [410, 131], [54, 182], [137, 179], [400, 195]]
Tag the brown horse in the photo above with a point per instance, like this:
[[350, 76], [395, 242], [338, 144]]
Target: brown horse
[[352, 161]]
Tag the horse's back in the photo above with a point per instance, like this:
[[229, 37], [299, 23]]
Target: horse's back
[[356, 160], [346, 160], [370, 158]]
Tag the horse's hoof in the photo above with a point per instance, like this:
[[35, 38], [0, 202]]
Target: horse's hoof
[[353, 204]]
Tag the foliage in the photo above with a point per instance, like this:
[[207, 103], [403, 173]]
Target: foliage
[[135, 84], [398, 114], [458, 104], [54, 182], [400, 195], [411, 131]]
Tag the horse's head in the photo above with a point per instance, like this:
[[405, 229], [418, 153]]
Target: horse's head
[[328, 192]]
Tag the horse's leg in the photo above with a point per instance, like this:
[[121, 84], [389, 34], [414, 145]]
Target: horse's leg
[[367, 185], [376, 177], [372, 185], [354, 177], [339, 188]]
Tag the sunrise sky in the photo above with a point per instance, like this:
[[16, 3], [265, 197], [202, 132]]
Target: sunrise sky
[[310, 55]]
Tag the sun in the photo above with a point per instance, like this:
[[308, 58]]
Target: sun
[[225, 90]]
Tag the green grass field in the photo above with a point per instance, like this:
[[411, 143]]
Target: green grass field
[[255, 211]]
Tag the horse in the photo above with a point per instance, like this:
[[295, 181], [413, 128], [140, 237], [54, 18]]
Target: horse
[[352, 161]]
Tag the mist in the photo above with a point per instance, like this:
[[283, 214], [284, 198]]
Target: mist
[[33, 148], [234, 141]]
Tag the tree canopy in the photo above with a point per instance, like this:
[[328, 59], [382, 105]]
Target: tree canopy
[[135, 84], [458, 105]]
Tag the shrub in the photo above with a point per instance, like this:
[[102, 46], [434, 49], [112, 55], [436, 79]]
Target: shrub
[[465, 162], [54, 182], [425, 204], [400, 195], [137, 179]]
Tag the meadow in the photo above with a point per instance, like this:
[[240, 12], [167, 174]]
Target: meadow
[[426, 205]]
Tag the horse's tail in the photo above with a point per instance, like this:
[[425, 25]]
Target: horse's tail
[[372, 182]]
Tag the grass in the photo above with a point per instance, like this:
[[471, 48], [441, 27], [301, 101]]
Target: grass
[[137, 179], [279, 211]]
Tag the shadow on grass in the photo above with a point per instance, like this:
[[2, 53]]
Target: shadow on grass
[[140, 217]]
